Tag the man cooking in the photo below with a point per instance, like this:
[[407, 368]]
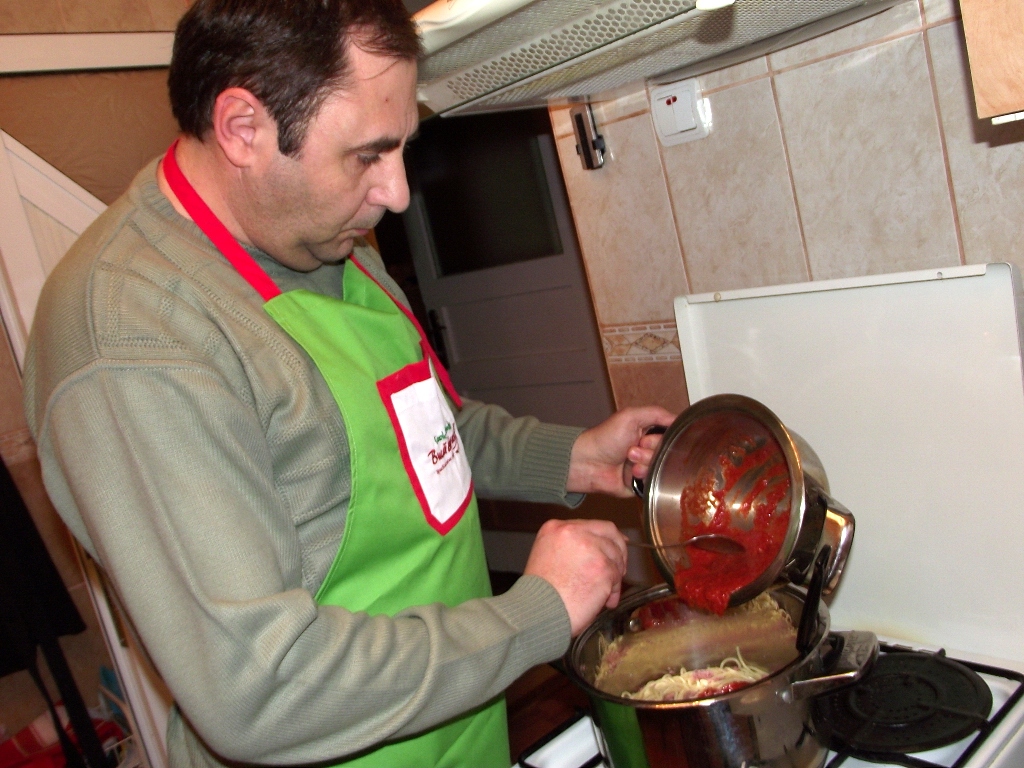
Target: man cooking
[[240, 419]]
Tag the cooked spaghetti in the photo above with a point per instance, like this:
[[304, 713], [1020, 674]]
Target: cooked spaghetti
[[731, 674], [690, 654]]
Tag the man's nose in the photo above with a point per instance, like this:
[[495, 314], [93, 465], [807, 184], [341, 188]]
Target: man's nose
[[391, 189]]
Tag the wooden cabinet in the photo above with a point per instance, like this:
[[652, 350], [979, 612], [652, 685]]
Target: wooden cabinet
[[995, 46]]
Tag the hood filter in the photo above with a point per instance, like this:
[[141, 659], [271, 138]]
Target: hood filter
[[613, 45]]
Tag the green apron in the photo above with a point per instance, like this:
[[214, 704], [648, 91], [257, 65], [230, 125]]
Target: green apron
[[412, 532]]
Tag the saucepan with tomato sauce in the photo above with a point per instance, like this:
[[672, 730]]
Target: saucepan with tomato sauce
[[728, 466], [722, 665]]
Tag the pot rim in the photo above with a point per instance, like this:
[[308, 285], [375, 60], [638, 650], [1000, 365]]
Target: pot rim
[[798, 502], [635, 600]]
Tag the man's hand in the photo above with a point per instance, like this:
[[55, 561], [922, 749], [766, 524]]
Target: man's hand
[[606, 458], [584, 560]]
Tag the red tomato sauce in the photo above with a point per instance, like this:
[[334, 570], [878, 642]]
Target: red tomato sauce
[[727, 688], [667, 612], [760, 526]]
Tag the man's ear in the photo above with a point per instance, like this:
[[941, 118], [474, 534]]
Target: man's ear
[[242, 126]]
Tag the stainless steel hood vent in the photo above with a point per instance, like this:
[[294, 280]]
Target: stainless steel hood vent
[[552, 50]]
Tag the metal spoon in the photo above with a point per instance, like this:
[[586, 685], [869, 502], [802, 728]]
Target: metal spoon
[[709, 542]]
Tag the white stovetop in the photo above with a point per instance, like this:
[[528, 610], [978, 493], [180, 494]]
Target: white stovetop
[[1003, 748]]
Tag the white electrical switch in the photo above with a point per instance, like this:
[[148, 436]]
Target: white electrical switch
[[680, 112]]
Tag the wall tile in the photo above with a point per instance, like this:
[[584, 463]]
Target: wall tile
[[901, 18], [165, 13], [735, 74], [867, 162], [21, 17], [561, 125], [733, 197], [624, 222], [649, 384], [122, 120], [940, 10], [108, 16], [986, 161], [626, 104]]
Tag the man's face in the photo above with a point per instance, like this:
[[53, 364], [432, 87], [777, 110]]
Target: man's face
[[306, 210]]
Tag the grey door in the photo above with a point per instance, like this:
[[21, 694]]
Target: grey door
[[512, 310]]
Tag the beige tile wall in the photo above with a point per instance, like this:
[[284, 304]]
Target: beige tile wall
[[120, 120], [854, 153], [55, 16]]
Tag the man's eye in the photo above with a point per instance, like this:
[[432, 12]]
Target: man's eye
[[369, 160]]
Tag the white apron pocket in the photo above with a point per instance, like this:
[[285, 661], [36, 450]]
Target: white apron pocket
[[430, 444]]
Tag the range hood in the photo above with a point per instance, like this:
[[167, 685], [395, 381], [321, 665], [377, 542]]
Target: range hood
[[495, 55]]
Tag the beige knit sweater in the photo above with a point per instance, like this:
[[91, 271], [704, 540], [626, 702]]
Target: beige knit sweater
[[197, 454]]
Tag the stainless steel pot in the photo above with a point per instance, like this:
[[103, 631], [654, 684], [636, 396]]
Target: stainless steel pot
[[766, 725], [697, 438]]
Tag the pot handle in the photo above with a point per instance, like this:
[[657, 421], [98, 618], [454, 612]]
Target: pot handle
[[837, 532], [638, 484], [851, 657]]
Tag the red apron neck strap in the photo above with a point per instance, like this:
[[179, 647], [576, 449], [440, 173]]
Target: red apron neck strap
[[428, 350], [253, 273], [214, 229]]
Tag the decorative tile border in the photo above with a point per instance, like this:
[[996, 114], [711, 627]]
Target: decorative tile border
[[641, 343]]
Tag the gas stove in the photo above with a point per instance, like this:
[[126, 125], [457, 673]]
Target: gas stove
[[902, 696], [958, 711], [910, 389]]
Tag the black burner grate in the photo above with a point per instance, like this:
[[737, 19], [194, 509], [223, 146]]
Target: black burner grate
[[911, 702]]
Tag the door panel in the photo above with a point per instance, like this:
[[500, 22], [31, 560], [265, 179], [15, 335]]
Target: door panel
[[522, 335]]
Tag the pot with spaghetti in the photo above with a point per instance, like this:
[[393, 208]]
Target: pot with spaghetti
[[674, 686], [676, 653]]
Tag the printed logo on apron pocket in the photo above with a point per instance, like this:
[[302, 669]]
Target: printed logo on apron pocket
[[429, 442]]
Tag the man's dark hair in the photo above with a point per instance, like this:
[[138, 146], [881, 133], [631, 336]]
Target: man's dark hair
[[291, 54]]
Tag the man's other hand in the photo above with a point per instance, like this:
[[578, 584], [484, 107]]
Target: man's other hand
[[606, 458], [584, 560]]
